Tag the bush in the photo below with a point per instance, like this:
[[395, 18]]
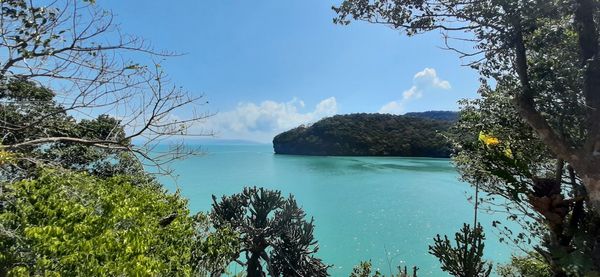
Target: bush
[[365, 269], [273, 232], [74, 224], [530, 265]]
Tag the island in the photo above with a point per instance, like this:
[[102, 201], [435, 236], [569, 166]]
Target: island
[[363, 134]]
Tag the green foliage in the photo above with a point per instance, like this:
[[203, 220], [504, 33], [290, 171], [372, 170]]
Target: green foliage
[[436, 115], [213, 250], [98, 213], [29, 112], [466, 258], [530, 265], [272, 229], [535, 182], [364, 269], [76, 224], [367, 134], [514, 160]]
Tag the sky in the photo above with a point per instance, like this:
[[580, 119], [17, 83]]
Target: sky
[[268, 66]]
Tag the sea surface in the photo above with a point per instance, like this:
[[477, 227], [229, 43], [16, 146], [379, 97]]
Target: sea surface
[[386, 210]]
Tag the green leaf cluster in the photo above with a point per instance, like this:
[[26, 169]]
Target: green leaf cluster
[[273, 233], [465, 258], [30, 112], [529, 265], [213, 249], [365, 269], [75, 224]]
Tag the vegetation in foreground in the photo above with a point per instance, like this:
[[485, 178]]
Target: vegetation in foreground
[[74, 224], [532, 140], [272, 231]]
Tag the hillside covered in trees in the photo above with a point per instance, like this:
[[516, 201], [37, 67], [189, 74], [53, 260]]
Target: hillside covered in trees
[[415, 135], [437, 115]]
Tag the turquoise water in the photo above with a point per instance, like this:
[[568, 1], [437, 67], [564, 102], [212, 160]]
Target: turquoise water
[[383, 209]]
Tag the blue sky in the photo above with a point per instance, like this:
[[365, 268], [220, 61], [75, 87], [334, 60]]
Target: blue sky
[[267, 66]]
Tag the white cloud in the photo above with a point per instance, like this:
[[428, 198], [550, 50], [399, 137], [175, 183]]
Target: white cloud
[[262, 121], [394, 107], [429, 78], [411, 93], [423, 81], [326, 107]]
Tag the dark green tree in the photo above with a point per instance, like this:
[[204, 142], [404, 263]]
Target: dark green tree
[[272, 230], [30, 112], [545, 54], [75, 49], [498, 151], [465, 259], [213, 249]]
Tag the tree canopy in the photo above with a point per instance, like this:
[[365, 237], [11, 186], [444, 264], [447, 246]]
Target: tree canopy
[[272, 229], [30, 112]]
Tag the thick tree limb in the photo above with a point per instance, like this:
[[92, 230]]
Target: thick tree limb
[[526, 105], [588, 44]]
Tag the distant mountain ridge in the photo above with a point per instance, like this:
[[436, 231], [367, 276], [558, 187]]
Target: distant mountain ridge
[[411, 135], [437, 115]]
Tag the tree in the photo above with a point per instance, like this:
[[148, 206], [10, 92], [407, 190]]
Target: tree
[[498, 151], [542, 57], [74, 48], [466, 258], [26, 102], [213, 250], [546, 52], [65, 223], [272, 229]]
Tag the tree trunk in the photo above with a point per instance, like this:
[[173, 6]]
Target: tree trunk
[[559, 273], [590, 176], [591, 180], [254, 269]]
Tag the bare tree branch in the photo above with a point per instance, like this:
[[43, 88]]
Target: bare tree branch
[[76, 50]]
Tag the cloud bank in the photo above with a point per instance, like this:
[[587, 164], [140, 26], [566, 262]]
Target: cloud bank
[[423, 81], [262, 121]]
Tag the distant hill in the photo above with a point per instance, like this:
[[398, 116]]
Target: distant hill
[[369, 135], [437, 115]]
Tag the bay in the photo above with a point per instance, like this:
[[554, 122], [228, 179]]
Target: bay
[[383, 209]]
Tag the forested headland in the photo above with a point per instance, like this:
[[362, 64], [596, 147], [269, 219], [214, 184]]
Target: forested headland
[[411, 135]]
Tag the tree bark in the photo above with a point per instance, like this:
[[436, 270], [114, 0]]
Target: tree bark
[[591, 180], [254, 269], [586, 159]]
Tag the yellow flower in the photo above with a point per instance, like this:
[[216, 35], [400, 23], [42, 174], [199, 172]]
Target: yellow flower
[[6, 157], [487, 139]]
